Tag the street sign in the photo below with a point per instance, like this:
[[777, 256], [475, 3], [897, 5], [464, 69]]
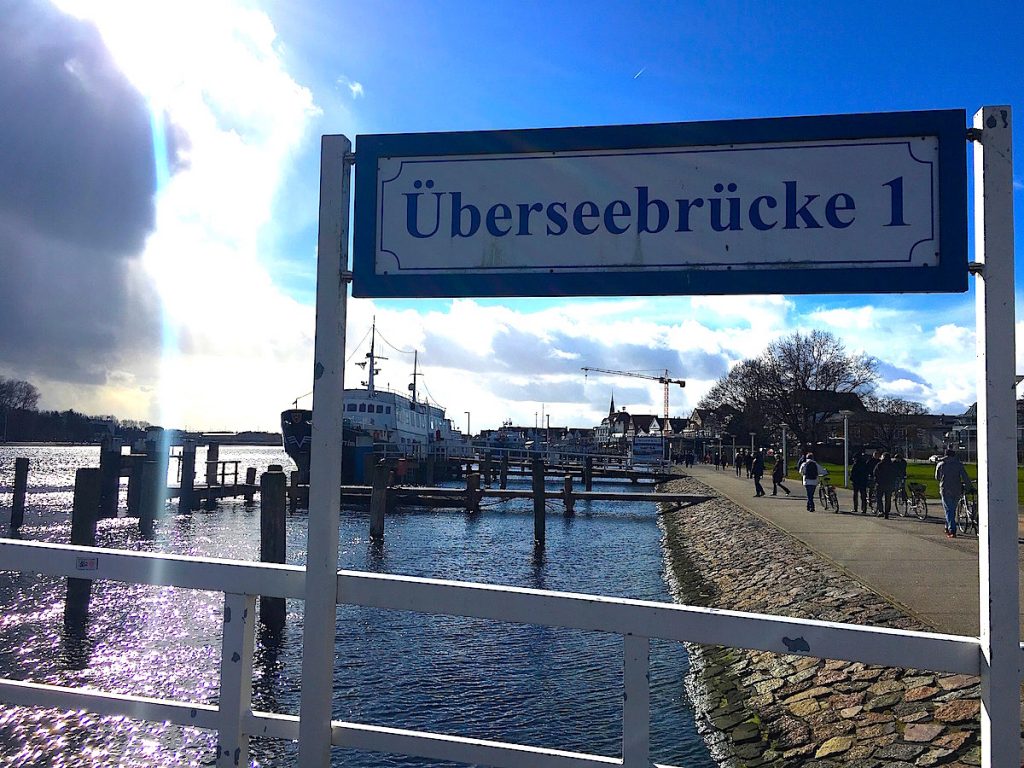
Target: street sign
[[837, 204]]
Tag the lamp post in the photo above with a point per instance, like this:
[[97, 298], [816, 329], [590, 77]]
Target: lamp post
[[785, 467], [752, 442], [846, 447]]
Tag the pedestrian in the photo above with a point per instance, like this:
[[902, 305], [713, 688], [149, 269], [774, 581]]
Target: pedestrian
[[778, 475], [885, 484], [872, 462], [859, 479], [748, 462], [738, 461], [756, 472], [809, 471], [952, 477]]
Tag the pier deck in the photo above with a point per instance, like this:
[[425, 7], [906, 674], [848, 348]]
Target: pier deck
[[909, 561]]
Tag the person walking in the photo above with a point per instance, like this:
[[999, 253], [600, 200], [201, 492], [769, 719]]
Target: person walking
[[748, 462], [859, 478], [738, 461], [778, 475], [885, 484], [756, 472], [872, 462], [952, 476], [809, 471]]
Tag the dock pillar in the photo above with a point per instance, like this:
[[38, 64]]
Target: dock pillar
[[250, 486], [134, 483], [567, 496], [272, 538], [149, 497], [538, 503], [378, 501], [588, 473], [488, 472], [473, 492], [186, 497], [503, 477], [110, 474], [20, 488], [293, 493], [84, 513], [212, 463]]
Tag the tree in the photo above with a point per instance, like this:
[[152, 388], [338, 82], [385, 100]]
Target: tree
[[800, 381], [15, 393], [890, 421]]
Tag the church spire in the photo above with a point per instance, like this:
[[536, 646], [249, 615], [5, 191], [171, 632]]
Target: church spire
[[611, 408]]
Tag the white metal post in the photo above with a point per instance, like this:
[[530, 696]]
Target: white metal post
[[325, 459], [996, 447], [636, 702], [235, 700], [846, 449]]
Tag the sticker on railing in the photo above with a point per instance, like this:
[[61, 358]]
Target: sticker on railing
[[87, 564]]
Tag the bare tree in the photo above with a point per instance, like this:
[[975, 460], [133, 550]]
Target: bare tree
[[800, 381], [890, 421], [18, 394]]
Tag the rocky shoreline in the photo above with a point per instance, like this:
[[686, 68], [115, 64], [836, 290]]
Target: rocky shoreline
[[763, 710]]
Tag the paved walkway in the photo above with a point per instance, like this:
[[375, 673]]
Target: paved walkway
[[907, 560]]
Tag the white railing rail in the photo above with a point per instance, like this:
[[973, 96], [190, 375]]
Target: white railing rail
[[637, 621]]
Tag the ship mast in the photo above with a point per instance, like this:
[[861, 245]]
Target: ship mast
[[371, 358], [412, 387]]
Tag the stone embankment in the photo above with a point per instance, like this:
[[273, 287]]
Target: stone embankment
[[760, 710]]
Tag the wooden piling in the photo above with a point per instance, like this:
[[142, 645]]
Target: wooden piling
[[378, 501], [110, 476], [588, 473], [84, 513], [134, 484], [504, 471], [293, 492], [538, 502], [150, 497], [20, 488], [488, 474], [186, 501], [212, 459], [567, 496], [250, 483], [473, 492], [272, 537]]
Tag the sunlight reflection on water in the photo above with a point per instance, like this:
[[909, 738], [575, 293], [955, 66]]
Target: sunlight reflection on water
[[526, 684]]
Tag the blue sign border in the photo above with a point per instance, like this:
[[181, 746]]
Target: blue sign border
[[950, 276]]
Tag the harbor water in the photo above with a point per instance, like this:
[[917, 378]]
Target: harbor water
[[523, 684]]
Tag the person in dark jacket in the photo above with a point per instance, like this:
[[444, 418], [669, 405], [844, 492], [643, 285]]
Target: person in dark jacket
[[738, 461], [872, 462], [952, 478], [756, 472], [778, 475], [748, 462], [860, 476], [885, 484]]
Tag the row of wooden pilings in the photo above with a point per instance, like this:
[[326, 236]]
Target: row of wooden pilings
[[489, 472], [96, 494], [381, 494]]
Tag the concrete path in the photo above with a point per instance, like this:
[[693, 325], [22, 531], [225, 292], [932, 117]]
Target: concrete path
[[909, 561]]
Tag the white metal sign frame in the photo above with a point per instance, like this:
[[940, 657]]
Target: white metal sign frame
[[999, 578]]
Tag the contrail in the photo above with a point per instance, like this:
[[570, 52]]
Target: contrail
[[642, 70]]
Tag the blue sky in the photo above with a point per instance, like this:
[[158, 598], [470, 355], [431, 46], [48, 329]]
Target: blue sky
[[247, 88]]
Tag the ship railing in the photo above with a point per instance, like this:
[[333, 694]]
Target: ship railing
[[231, 715]]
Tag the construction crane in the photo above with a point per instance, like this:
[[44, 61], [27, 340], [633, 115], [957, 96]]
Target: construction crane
[[664, 379]]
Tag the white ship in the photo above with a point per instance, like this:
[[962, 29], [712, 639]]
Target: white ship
[[401, 425]]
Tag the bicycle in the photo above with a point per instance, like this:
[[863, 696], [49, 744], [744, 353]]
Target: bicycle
[[917, 503], [827, 494], [900, 498], [967, 511]]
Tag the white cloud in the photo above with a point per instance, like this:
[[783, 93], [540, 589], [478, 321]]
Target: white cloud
[[354, 86], [235, 345]]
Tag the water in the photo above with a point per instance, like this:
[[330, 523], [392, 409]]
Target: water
[[523, 684]]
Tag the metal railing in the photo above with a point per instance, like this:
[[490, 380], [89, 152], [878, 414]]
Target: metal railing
[[636, 621]]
